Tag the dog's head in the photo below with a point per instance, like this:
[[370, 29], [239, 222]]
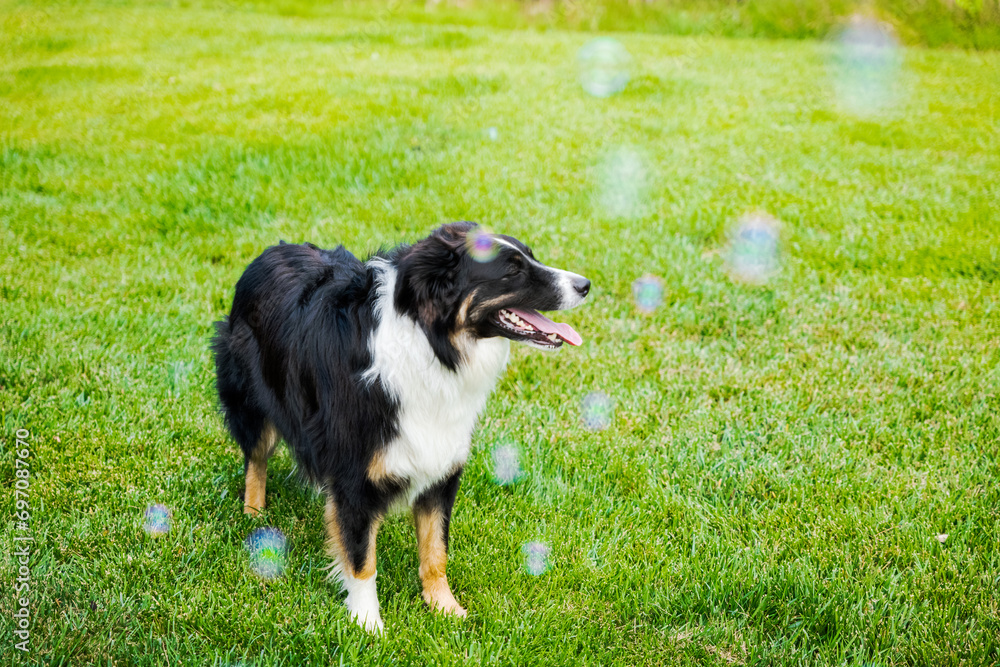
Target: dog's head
[[462, 280]]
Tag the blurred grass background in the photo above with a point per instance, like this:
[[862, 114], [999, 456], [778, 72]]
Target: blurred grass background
[[959, 23], [782, 458]]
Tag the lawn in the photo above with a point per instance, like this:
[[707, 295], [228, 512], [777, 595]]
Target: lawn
[[781, 462]]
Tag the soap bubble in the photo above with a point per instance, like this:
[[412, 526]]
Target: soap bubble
[[266, 547], [493, 133], [596, 411], [480, 245], [604, 66], [506, 464], [623, 183], [752, 252], [157, 521], [648, 293], [866, 66], [536, 557]]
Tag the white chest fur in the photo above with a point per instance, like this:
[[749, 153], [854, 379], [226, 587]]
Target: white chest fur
[[437, 407]]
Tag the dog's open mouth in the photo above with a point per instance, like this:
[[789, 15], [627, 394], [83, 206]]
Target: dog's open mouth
[[533, 327]]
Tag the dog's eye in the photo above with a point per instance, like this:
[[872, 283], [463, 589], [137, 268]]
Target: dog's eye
[[513, 270], [515, 265]]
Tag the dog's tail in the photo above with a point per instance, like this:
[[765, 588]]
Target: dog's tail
[[230, 381], [220, 347]]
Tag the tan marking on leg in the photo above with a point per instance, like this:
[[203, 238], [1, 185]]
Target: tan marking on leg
[[335, 544], [369, 568], [376, 469], [362, 597], [379, 474], [256, 480], [433, 561]]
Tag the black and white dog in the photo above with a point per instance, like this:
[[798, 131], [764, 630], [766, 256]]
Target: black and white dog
[[374, 374]]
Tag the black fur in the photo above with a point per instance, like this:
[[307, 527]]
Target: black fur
[[441, 496], [291, 352], [296, 343]]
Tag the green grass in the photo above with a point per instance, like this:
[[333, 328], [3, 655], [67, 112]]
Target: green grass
[[956, 23], [781, 458]]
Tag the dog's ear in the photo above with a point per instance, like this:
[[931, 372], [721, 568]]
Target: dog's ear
[[428, 277], [430, 283]]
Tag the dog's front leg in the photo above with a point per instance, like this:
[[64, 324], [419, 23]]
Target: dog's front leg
[[432, 515], [351, 535]]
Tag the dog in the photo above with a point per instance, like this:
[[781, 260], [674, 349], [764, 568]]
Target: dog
[[374, 374]]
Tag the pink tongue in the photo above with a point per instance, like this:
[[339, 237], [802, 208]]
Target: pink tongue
[[545, 325]]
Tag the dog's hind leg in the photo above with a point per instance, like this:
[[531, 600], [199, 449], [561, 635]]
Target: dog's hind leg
[[255, 466], [432, 515], [250, 428], [351, 534]]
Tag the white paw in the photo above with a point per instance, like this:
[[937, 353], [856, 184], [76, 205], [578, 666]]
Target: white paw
[[371, 621], [362, 602], [362, 606]]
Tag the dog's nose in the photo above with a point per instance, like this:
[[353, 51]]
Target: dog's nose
[[582, 286]]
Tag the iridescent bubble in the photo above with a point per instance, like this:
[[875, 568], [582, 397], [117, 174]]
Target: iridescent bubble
[[604, 66], [480, 245], [506, 464], [267, 548], [623, 183], [157, 520], [536, 557], [596, 411], [866, 66], [648, 293], [752, 252]]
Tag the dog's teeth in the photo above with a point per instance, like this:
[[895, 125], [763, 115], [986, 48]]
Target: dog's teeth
[[552, 337], [515, 321]]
